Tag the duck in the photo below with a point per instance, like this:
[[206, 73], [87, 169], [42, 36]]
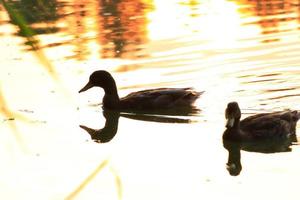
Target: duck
[[151, 99], [279, 125]]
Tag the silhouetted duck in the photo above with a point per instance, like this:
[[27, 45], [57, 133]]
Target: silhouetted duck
[[276, 125], [152, 99]]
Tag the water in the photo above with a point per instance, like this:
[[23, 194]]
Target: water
[[245, 51]]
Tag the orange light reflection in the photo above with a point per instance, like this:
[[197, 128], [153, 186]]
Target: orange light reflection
[[218, 22]]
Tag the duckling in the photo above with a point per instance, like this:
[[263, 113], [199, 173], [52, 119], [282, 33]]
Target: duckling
[[151, 99], [265, 126]]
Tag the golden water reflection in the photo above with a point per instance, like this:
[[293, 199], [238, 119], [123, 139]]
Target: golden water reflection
[[121, 29], [244, 50]]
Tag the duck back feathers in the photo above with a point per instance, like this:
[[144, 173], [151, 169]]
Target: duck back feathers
[[161, 98], [277, 123]]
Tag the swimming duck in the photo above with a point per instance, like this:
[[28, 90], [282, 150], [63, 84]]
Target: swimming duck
[[152, 99], [276, 125]]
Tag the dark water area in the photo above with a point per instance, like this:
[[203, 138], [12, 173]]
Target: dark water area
[[58, 144]]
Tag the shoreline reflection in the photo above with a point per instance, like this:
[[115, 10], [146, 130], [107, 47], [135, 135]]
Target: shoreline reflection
[[121, 29]]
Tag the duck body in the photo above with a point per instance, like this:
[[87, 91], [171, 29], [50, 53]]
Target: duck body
[[151, 99], [160, 98], [265, 126]]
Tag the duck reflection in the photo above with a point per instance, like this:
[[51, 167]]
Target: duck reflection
[[264, 133], [108, 132], [234, 148]]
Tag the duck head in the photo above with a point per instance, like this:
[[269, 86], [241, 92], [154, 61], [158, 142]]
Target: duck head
[[232, 114], [101, 79]]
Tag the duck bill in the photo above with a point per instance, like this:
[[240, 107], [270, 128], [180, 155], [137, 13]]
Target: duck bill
[[87, 129], [233, 169], [86, 87], [229, 123]]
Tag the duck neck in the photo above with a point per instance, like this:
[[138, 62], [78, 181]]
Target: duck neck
[[233, 123], [111, 98], [236, 123]]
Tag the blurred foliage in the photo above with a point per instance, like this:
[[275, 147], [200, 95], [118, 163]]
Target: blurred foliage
[[118, 183], [36, 10], [84, 183], [19, 20], [4, 109], [10, 116], [87, 180]]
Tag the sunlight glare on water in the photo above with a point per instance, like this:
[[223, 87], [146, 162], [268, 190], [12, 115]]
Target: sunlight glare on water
[[244, 51]]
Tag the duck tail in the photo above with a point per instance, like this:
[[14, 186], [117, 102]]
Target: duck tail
[[193, 96], [200, 93], [196, 95]]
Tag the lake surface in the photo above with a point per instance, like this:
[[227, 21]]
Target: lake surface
[[245, 51]]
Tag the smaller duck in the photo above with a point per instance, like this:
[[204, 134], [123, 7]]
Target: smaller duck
[[265, 126], [152, 99]]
